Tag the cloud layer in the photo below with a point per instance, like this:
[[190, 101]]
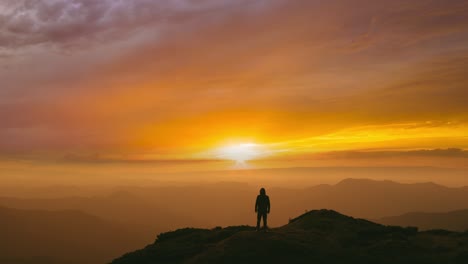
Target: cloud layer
[[170, 78], [70, 22]]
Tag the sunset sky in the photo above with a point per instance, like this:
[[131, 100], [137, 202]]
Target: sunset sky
[[330, 83]]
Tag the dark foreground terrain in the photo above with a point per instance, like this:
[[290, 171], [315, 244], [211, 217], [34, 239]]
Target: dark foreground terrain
[[322, 236]]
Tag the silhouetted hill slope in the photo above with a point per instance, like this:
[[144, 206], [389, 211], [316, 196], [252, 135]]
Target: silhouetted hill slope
[[454, 220], [322, 236], [35, 236]]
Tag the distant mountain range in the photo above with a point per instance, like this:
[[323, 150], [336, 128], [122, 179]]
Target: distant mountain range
[[146, 215], [320, 236], [147, 211], [38, 236], [454, 220], [374, 199], [155, 209]]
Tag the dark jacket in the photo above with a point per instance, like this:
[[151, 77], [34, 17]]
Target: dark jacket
[[262, 205]]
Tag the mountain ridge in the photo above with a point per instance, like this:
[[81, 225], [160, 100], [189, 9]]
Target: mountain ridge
[[318, 236], [456, 220]]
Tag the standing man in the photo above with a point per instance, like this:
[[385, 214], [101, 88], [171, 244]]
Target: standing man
[[262, 208]]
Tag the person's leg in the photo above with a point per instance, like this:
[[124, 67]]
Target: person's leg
[[265, 220], [259, 215]]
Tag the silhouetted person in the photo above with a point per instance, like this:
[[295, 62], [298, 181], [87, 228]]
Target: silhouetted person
[[262, 208]]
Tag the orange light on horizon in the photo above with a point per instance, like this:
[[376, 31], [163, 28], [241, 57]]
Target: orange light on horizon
[[240, 153]]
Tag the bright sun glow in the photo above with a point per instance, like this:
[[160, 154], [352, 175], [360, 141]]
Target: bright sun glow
[[240, 152]]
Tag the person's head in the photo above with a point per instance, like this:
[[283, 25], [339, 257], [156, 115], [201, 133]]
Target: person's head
[[262, 191]]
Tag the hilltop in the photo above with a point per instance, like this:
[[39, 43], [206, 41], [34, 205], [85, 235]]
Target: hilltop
[[319, 236]]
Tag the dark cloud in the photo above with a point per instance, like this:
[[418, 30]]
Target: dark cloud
[[358, 23], [445, 153], [66, 22]]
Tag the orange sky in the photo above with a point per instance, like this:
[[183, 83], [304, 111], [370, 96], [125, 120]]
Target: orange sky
[[97, 81]]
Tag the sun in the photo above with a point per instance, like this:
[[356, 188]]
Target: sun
[[240, 152]]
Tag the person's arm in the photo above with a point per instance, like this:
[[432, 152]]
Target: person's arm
[[256, 204], [268, 204]]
